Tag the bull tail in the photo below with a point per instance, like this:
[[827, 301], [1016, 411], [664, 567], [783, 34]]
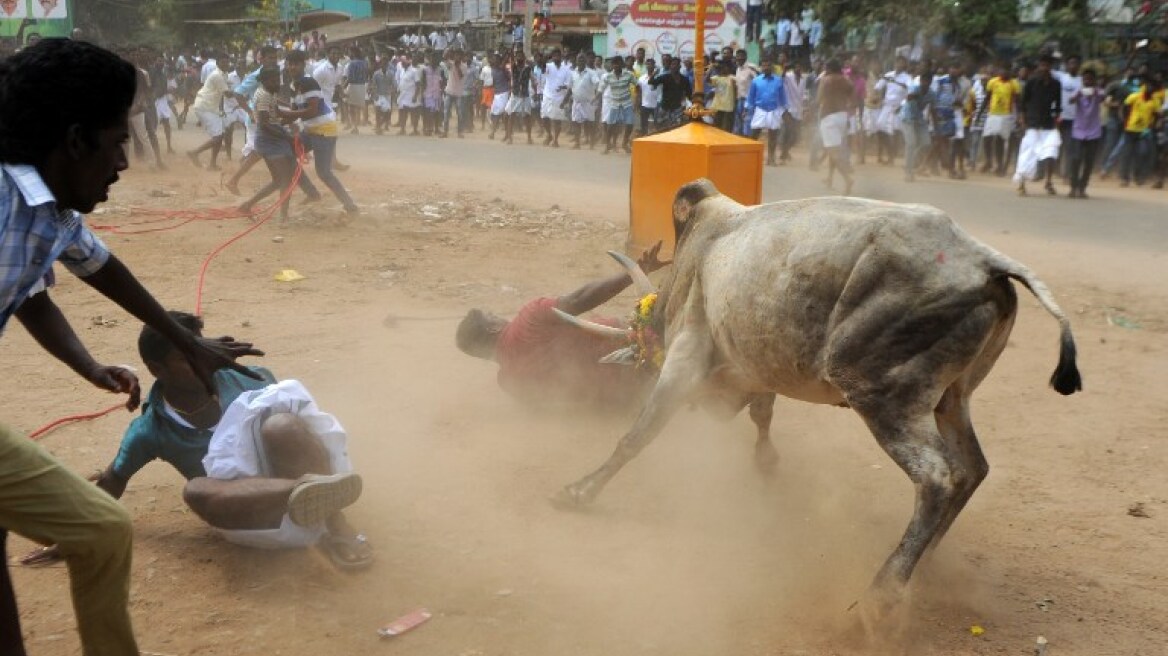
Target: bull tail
[[1066, 378]]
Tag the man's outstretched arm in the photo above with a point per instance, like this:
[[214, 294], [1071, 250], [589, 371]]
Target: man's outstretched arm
[[594, 294], [206, 356], [48, 326]]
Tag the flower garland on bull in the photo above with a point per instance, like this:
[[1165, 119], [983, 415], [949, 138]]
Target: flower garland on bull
[[646, 343]]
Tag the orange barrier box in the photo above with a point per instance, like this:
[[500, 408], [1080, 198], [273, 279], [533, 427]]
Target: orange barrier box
[[663, 162]]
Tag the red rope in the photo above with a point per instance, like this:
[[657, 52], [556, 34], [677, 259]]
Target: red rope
[[184, 217]]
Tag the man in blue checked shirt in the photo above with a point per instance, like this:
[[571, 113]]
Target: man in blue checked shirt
[[766, 104], [58, 159]]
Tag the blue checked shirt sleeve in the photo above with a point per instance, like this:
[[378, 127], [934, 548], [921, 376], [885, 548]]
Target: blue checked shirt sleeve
[[86, 255]]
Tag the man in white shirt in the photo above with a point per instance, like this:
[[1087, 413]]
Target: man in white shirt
[[207, 106], [585, 84], [328, 74], [1071, 83], [650, 96], [416, 39], [783, 33], [557, 80], [894, 87], [409, 94]]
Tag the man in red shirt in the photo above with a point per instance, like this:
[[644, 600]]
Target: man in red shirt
[[545, 361]]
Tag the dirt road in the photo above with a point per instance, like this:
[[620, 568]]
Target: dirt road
[[689, 552]]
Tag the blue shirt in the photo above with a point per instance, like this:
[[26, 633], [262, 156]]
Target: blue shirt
[[34, 234], [157, 436], [913, 109], [767, 94], [248, 85]]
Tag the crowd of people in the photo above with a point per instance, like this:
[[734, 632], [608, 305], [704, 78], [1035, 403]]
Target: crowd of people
[[1035, 119]]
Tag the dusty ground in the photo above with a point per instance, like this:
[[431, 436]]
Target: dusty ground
[[688, 552]]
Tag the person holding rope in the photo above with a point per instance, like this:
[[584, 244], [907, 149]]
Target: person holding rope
[[58, 159]]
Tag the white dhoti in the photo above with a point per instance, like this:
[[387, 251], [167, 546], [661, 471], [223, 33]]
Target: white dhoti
[[212, 123], [871, 114], [251, 130], [162, 108], [553, 109], [888, 121], [1036, 146], [583, 111], [833, 129], [236, 451], [998, 125], [764, 120], [382, 104], [499, 103]]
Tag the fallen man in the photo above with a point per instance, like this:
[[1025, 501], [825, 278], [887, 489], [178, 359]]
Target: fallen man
[[263, 465], [545, 362]]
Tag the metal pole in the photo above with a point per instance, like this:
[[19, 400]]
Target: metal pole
[[699, 53], [528, 16]]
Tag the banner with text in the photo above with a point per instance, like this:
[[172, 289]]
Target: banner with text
[[666, 27]]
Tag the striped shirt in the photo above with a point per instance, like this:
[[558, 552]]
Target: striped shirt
[[34, 234], [620, 88]]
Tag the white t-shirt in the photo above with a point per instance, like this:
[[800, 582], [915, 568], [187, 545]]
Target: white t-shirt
[[407, 81], [328, 77], [895, 86], [650, 95], [1071, 84], [487, 77], [210, 97]]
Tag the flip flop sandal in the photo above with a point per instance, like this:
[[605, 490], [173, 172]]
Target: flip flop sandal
[[319, 497], [349, 553]]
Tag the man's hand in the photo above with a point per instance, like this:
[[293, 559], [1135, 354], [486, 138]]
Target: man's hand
[[118, 380], [648, 260], [207, 356]]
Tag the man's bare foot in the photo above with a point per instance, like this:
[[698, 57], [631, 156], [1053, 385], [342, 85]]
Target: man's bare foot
[[194, 157], [232, 185]]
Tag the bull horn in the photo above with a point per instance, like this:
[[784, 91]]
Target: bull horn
[[592, 327], [640, 279]]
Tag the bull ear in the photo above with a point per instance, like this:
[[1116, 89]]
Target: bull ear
[[625, 356], [687, 199]]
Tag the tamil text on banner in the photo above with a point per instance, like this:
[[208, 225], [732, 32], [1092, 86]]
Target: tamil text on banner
[[666, 27]]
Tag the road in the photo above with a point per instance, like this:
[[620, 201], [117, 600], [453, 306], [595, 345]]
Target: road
[[595, 185]]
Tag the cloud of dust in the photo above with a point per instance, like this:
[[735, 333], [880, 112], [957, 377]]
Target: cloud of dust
[[690, 550]]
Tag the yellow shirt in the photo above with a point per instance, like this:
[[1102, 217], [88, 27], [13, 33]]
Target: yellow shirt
[[723, 93], [1002, 94], [1142, 112]]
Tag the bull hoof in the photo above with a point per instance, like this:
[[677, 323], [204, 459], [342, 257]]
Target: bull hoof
[[766, 459], [879, 618], [572, 497]]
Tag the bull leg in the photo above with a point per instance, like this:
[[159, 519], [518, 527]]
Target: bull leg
[[916, 445], [952, 415], [762, 409], [686, 366]]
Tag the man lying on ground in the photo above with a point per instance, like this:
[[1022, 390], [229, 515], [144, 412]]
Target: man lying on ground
[[545, 361], [263, 464]]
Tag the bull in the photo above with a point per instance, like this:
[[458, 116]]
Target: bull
[[888, 309]]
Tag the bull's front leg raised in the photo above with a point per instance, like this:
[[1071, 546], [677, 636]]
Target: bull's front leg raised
[[686, 365]]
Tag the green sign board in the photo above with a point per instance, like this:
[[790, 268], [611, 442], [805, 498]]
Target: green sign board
[[46, 18]]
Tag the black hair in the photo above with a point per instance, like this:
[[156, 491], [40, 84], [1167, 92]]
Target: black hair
[[295, 56], [39, 91], [154, 347], [267, 50], [833, 66]]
